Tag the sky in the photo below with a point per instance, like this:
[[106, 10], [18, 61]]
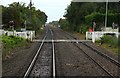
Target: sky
[[54, 9]]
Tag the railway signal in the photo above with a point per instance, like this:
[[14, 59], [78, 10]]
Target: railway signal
[[30, 11], [94, 25], [11, 24]]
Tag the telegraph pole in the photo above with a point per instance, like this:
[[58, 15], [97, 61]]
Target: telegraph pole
[[30, 11], [106, 15]]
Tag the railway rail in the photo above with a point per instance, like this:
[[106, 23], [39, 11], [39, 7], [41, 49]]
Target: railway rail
[[113, 61], [38, 53], [77, 44], [97, 51]]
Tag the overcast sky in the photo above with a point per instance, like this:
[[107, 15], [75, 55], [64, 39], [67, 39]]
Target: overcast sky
[[54, 9]]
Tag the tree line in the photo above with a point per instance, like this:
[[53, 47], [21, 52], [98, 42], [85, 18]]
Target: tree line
[[19, 14], [79, 16]]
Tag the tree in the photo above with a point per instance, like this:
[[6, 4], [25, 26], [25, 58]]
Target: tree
[[77, 12], [64, 24], [19, 13]]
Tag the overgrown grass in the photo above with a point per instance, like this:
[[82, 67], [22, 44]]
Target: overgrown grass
[[110, 42], [80, 35], [11, 42]]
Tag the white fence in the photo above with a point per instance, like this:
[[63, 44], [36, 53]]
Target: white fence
[[1, 31], [24, 34], [98, 34]]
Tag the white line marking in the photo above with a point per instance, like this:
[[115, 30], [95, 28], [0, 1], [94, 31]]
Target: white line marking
[[63, 41]]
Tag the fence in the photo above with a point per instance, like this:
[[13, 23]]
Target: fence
[[98, 34], [24, 34]]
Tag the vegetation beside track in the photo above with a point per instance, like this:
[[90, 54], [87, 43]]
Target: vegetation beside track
[[80, 35], [20, 15], [109, 42], [9, 43], [79, 16]]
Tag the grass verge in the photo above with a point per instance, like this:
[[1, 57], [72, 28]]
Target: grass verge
[[110, 43], [9, 43], [80, 35]]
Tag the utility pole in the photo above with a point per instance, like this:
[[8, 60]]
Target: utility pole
[[25, 25], [94, 25], [118, 17], [30, 11], [106, 14]]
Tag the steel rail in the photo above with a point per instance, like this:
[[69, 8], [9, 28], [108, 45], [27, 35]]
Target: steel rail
[[100, 53], [34, 59], [103, 55], [53, 55], [94, 61], [91, 58]]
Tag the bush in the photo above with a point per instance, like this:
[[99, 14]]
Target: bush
[[64, 24], [10, 42], [83, 28], [110, 40]]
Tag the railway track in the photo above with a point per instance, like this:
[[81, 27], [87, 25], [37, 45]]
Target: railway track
[[113, 61], [43, 63], [98, 52], [50, 69]]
